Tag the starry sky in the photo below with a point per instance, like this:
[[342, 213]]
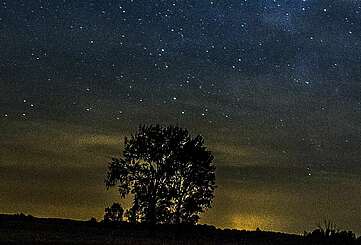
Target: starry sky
[[273, 86]]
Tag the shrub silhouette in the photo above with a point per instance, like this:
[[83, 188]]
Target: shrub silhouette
[[170, 175], [92, 220], [114, 213], [328, 234]]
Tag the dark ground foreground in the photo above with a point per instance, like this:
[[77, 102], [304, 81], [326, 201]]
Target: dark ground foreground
[[21, 229]]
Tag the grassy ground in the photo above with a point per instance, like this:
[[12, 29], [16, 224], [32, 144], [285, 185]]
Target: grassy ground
[[21, 229]]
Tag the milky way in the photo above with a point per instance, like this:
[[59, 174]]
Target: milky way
[[274, 87]]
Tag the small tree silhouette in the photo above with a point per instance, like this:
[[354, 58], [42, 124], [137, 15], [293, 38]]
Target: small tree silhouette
[[328, 228], [114, 213], [169, 174], [328, 234]]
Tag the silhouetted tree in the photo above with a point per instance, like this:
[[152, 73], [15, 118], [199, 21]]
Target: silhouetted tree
[[114, 213], [328, 228], [170, 175]]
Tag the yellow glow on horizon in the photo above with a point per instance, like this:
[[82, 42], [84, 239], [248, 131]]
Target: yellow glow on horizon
[[251, 222]]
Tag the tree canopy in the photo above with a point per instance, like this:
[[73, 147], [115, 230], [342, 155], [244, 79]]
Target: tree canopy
[[169, 174]]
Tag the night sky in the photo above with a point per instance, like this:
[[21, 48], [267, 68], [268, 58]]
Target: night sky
[[273, 86]]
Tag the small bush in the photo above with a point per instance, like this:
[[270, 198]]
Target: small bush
[[114, 213], [328, 234]]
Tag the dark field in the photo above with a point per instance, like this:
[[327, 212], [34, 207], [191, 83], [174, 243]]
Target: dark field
[[21, 229]]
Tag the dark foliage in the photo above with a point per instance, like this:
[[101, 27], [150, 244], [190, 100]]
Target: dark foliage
[[328, 234], [114, 213], [92, 220], [169, 174]]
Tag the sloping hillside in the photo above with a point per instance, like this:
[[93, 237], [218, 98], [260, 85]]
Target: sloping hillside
[[21, 229]]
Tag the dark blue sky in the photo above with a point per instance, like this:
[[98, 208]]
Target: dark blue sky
[[314, 42], [275, 87]]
